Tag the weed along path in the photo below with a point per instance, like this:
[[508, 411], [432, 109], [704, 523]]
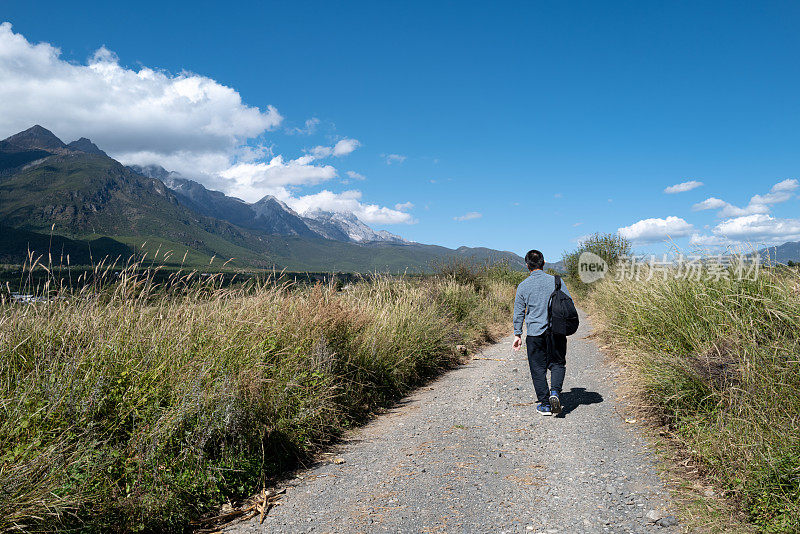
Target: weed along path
[[467, 453]]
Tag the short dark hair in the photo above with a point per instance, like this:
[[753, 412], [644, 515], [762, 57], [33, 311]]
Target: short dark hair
[[534, 260]]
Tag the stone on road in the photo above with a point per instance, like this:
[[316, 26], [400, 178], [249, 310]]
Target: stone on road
[[468, 453]]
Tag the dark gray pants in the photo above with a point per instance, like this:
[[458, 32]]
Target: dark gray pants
[[540, 361]]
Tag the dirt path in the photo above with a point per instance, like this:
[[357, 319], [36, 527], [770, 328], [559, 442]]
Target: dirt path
[[469, 454]]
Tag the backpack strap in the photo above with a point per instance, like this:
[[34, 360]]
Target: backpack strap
[[550, 302], [550, 342]]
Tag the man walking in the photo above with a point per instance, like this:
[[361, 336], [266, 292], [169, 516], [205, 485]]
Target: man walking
[[530, 307]]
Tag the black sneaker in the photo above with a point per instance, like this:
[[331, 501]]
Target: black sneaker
[[555, 402], [543, 409]]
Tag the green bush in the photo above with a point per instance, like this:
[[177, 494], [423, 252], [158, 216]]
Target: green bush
[[611, 247]]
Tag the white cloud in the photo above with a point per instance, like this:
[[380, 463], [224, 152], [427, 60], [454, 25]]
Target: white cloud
[[309, 128], [759, 227], [356, 176], [709, 240], [711, 203], [780, 192], [319, 152], [734, 211], [253, 178], [683, 187], [655, 229], [790, 184], [753, 223], [349, 201], [341, 148], [468, 216], [185, 122], [345, 146], [190, 120], [405, 206], [393, 158], [103, 54], [759, 204], [756, 229]]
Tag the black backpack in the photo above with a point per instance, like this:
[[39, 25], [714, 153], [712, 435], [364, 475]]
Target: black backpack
[[562, 317]]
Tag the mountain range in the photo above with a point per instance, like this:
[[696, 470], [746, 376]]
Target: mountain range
[[268, 214], [75, 197], [784, 253]]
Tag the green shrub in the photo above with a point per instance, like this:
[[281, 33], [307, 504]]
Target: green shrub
[[611, 247]]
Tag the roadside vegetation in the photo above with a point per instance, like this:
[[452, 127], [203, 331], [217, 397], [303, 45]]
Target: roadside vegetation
[[611, 247], [716, 359], [137, 402]]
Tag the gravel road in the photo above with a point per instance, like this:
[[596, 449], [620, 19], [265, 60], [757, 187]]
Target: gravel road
[[468, 453]]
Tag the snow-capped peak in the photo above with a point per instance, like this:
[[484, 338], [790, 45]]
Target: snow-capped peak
[[270, 200], [347, 223], [269, 213]]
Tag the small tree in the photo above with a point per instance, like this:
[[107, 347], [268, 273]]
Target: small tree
[[611, 247]]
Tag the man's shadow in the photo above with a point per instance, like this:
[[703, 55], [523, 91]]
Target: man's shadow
[[575, 397]]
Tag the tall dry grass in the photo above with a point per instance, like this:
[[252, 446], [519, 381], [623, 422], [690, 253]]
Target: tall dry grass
[[719, 361], [138, 405]]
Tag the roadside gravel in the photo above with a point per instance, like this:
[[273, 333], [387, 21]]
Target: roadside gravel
[[468, 453]]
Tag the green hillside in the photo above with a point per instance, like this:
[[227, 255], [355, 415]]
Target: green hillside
[[87, 196], [16, 243], [296, 253], [280, 252]]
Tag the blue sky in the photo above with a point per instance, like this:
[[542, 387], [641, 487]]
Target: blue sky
[[550, 120]]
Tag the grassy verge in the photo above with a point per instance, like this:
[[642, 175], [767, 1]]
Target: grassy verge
[[718, 362], [138, 405]]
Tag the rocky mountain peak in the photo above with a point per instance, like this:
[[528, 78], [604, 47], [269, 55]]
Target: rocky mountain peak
[[85, 145], [334, 224], [272, 202], [269, 213], [152, 171], [35, 137]]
